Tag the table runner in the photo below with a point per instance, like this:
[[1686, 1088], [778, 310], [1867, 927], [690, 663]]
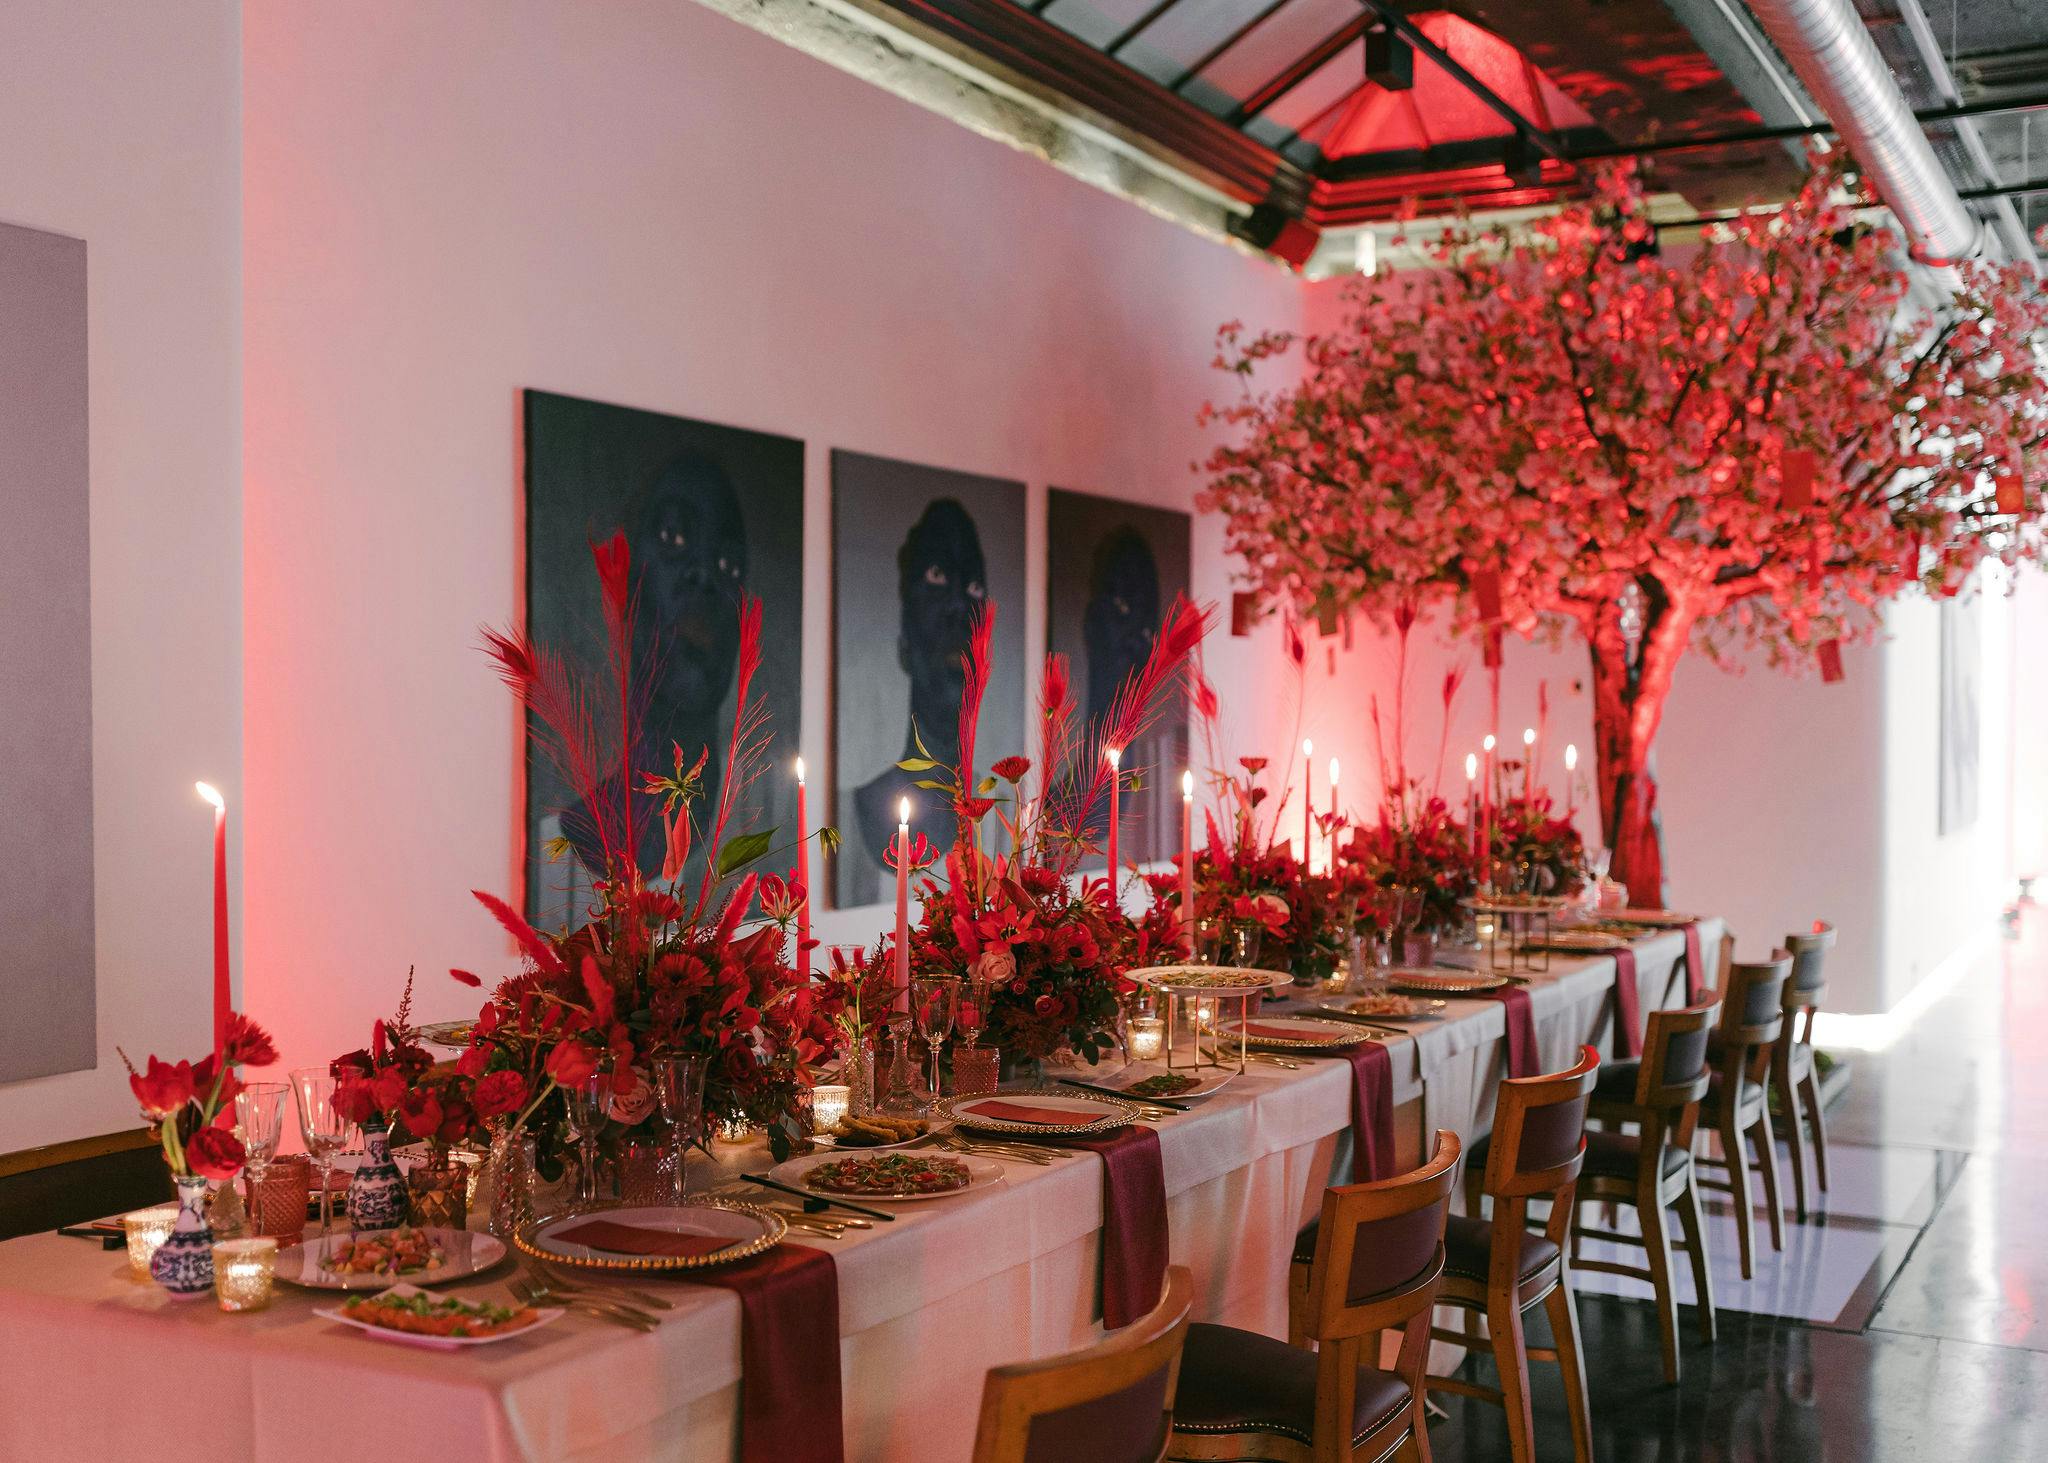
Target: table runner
[[791, 1409], [1695, 968], [1524, 1059], [1133, 1221], [1372, 1112], [1628, 1006]]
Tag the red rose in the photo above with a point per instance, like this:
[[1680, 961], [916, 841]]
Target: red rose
[[422, 1114], [571, 1063], [387, 1089], [214, 1153], [499, 1093], [163, 1088], [354, 1100]]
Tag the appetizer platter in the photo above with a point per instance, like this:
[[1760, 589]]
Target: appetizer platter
[[373, 1260], [420, 1317], [1042, 1113], [693, 1235], [1515, 903], [1388, 1006], [1147, 1082], [1663, 919], [1577, 942], [1211, 980], [1442, 982], [891, 1178], [1299, 1033], [877, 1131]]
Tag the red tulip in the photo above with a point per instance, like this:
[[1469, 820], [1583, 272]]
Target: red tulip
[[162, 1089]]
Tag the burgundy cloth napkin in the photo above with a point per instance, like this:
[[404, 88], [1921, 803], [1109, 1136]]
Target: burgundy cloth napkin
[[1695, 968], [1372, 1112], [790, 1407], [1628, 1006], [1270, 1033], [627, 1239], [1522, 1056], [1133, 1222]]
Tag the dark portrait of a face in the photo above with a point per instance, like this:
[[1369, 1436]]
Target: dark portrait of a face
[[689, 548], [942, 580], [1122, 616]]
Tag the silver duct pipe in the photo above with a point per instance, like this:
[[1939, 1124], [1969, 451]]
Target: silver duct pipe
[[1838, 62]]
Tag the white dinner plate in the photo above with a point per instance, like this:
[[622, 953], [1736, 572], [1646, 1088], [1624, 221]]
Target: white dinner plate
[[982, 1173], [1208, 1080], [1443, 982], [1406, 1008], [464, 1252], [1301, 1033], [1092, 1116], [1211, 980], [745, 1229], [436, 1343]]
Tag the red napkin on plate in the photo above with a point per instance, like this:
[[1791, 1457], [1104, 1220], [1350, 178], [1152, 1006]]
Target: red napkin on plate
[[1523, 1060], [628, 1239], [1133, 1222], [1270, 1033], [1628, 1006], [790, 1403], [1372, 1112], [1019, 1112], [1695, 967]]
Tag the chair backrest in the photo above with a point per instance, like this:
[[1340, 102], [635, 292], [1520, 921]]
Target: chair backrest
[[1809, 982], [1752, 1013], [1112, 1401], [1379, 1248], [1675, 1071], [1539, 1131]]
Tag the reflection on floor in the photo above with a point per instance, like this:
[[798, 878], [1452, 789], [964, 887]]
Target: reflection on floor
[[1907, 1318]]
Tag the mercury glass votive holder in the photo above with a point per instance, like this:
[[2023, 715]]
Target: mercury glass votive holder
[[830, 1102], [735, 1129], [242, 1270], [146, 1229], [1148, 1038]]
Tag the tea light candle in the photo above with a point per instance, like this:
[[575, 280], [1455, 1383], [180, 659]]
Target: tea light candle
[[829, 1104], [1148, 1038], [735, 1129], [146, 1229], [242, 1271]]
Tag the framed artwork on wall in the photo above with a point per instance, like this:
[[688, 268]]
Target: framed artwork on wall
[[1112, 571], [709, 513], [916, 553]]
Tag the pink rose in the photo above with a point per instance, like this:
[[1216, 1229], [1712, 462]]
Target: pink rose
[[997, 965], [632, 1097]]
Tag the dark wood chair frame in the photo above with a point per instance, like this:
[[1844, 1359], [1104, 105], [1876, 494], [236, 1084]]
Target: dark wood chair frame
[[1665, 1109], [1743, 1115], [1794, 1077], [1506, 1294]]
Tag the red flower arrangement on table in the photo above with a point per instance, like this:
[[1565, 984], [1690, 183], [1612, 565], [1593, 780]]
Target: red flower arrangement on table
[[658, 969], [191, 1105], [1416, 845], [1527, 834], [1049, 948]]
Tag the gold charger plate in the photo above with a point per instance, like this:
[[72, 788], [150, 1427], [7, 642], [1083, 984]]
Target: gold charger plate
[[1110, 1114], [1318, 1034], [1211, 980], [751, 1230], [1442, 982]]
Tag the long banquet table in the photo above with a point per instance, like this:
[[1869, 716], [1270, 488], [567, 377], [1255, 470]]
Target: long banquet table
[[95, 1365]]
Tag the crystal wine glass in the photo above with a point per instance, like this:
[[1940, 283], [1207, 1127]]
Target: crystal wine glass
[[324, 1128], [934, 1000], [679, 1088], [588, 1102], [259, 1118]]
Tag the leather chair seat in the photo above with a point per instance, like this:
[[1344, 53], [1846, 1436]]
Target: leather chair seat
[[1618, 1155], [1234, 1381], [1468, 1249]]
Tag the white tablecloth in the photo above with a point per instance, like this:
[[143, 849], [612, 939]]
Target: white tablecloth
[[93, 1365]]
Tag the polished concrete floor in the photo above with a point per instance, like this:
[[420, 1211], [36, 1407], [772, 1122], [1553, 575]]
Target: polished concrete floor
[[1907, 1319]]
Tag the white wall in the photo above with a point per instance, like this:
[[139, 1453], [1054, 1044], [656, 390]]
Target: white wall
[[118, 125], [647, 204]]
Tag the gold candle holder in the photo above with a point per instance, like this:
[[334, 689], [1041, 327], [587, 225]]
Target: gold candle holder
[[146, 1229], [829, 1105], [1148, 1038], [242, 1271]]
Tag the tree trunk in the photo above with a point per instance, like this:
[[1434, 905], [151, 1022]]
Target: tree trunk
[[1629, 689]]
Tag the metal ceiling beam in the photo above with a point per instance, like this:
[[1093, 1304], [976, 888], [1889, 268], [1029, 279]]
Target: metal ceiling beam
[[1927, 117], [1299, 70], [1210, 57], [1398, 22]]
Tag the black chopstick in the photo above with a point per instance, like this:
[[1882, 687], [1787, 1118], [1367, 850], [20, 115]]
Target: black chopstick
[[1126, 1096], [107, 1241], [810, 1198]]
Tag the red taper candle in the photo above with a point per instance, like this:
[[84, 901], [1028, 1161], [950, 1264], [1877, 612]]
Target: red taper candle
[[223, 989]]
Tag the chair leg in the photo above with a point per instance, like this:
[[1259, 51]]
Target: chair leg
[[1795, 1140], [1564, 1329], [1767, 1160], [1695, 1226], [1657, 1252], [1811, 1089], [1297, 1306], [1511, 1359], [1736, 1152]]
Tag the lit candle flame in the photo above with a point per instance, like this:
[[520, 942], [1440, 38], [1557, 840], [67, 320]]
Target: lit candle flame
[[1488, 743], [1115, 755], [1187, 786], [1333, 772], [1471, 767], [1571, 757], [903, 812], [799, 772], [1529, 736], [1308, 748], [212, 794]]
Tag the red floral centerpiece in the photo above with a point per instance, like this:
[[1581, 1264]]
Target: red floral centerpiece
[[1527, 834], [1420, 851]]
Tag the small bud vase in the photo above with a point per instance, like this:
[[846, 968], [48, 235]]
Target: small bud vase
[[438, 1193], [377, 1197], [183, 1264]]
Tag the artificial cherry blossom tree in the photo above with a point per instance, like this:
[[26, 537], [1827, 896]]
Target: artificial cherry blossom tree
[[1747, 443]]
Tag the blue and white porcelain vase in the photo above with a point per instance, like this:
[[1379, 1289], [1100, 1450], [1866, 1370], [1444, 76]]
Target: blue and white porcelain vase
[[183, 1264], [376, 1195]]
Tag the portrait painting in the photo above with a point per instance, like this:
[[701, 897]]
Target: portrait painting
[[917, 553], [710, 513], [1112, 572]]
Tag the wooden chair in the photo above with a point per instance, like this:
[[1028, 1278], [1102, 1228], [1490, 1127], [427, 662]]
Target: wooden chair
[[1500, 1268], [1735, 1105], [1112, 1400], [1652, 1168], [1379, 1255], [1794, 1077]]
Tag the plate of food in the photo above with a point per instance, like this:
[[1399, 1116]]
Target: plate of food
[[1042, 1112], [692, 1235], [454, 1035], [373, 1259], [1515, 903], [422, 1318], [1663, 919], [1443, 982], [1388, 1006], [1148, 1080], [1293, 1033], [1577, 942], [877, 1131], [890, 1178], [1211, 980]]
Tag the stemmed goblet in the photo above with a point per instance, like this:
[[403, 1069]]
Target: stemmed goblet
[[679, 1088], [324, 1128], [934, 1000], [589, 1102], [259, 1118]]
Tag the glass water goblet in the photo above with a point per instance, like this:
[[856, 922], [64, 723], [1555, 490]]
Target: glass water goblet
[[259, 1118], [679, 1088], [934, 1001], [324, 1128], [589, 1100]]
